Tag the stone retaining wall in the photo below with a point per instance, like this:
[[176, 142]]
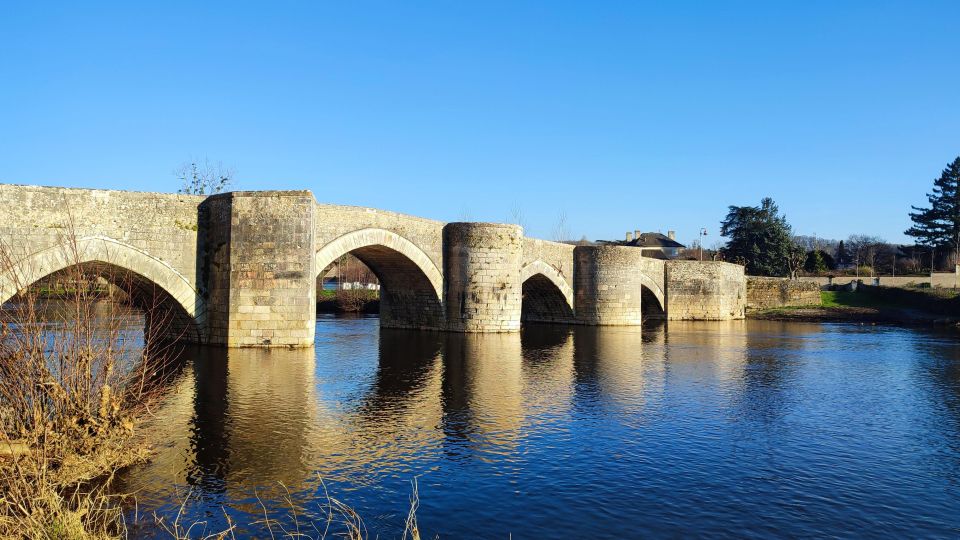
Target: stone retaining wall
[[774, 292], [947, 280], [705, 290]]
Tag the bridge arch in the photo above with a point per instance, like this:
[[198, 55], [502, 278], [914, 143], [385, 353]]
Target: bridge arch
[[652, 291], [547, 297], [411, 284], [150, 282]]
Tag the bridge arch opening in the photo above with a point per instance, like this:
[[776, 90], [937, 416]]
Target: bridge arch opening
[[546, 296], [651, 305], [96, 267], [410, 283]]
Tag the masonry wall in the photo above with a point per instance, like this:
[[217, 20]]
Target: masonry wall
[[213, 256], [774, 292], [937, 279], [555, 254], [607, 285], [943, 279], [164, 225], [482, 290], [333, 221], [272, 275], [705, 290]]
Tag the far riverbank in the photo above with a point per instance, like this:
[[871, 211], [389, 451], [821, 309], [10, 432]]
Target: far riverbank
[[875, 305]]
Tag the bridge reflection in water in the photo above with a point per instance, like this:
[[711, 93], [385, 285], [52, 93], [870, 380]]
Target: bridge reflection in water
[[511, 430], [367, 406]]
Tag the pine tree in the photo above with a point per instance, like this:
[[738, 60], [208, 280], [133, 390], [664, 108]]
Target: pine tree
[[939, 225], [760, 238], [843, 258], [815, 263]]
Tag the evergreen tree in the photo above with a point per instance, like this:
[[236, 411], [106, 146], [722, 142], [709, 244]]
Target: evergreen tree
[[843, 258], [939, 225], [816, 262], [760, 238]]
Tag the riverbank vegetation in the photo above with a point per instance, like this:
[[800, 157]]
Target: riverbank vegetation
[[876, 304], [761, 239], [938, 225], [348, 301], [72, 388], [77, 384]]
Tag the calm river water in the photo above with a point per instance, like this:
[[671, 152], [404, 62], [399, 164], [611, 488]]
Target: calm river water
[[741, 429]]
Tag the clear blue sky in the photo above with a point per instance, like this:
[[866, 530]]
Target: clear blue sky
[[624, 115]]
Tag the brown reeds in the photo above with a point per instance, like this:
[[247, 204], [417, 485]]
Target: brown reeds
[[73, 380], [337, 520], [354, 300]]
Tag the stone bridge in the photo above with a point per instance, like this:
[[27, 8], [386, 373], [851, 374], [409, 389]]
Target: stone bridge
[[240, 269]]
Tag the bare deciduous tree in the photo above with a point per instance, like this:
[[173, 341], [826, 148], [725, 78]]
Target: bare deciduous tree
[[796, 256], [516, 216], [868, 250], [561, 231], [204, 178]]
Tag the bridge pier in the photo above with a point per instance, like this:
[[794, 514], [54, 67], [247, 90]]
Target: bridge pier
[[607, 285], [259, 263], [481, 277]]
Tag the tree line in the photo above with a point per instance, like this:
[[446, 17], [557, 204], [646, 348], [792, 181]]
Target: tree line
[[761, 239]]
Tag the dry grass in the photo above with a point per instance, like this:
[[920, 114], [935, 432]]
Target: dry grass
[[72, 384], [73, 389], [339, 520], [354, 300]]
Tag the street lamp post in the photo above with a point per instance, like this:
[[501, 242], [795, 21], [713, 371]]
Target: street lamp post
[[703, 232]]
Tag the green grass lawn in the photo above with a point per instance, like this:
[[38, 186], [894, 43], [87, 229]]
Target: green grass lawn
[[877, 304], [367, 294], [851, 299]]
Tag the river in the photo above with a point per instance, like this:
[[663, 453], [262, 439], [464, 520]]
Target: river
[[734, 429]]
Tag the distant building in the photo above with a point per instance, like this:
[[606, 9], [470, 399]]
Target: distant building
[[653, 244]]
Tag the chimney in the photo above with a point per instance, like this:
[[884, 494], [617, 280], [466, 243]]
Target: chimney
[[629, 236], [672, 235]]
